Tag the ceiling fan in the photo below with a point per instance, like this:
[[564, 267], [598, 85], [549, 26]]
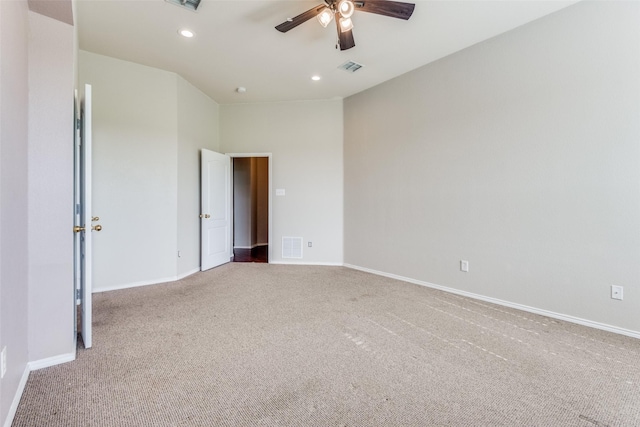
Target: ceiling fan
[[342, 11]]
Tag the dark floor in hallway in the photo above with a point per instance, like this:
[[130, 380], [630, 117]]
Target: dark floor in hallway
[[257, 254]]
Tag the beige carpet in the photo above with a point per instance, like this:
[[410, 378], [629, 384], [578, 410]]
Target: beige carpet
[[269, 345]]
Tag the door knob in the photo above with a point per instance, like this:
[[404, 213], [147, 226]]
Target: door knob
[[205, 216], [97, 227], [77, 229], [95, 218]]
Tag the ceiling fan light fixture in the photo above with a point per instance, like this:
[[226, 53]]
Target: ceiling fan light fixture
[[346, 24], [343, 9], [325, 17], [346, 8]]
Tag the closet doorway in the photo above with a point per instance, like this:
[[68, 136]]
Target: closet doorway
[[251, 207]]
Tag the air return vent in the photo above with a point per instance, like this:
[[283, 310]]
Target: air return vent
[[189, 4], [350, 66], [292, 247]]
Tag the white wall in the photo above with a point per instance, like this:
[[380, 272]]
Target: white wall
[[520, 154], [134, 170], [50, 214], [198, 127], [148, 128], [306, 162], [13, 197]]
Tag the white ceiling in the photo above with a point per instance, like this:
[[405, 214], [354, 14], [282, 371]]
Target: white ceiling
[[236, 43]]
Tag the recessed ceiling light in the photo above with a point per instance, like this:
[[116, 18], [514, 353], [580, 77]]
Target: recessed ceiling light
[[241, 89], [186, 33], [315, 78]]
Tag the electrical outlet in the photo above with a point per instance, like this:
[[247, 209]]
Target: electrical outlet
[[464, 265], [616, 292], [3, 362], [309, 244]]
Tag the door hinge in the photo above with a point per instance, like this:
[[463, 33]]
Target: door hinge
[[78, 297], [78, 123]]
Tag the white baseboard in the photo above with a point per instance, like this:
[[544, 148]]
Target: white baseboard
[[251, 247], [188, 273], [16, 399], [51, 361], [330, 264], [135, 284], [145, 282], [534, 310], [33, 366]]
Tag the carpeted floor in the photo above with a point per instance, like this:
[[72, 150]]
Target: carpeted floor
[[274, 345]]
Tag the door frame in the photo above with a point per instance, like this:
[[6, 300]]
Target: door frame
[[270, 186]]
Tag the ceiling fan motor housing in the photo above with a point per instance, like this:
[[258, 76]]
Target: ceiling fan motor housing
[[343, 9]]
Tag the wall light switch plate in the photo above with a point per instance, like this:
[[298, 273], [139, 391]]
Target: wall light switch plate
[[280, 192], [464, 265], [616, 292]]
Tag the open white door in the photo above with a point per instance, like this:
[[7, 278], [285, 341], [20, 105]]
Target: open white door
[[83, 219], [215, 209], [77, 218]]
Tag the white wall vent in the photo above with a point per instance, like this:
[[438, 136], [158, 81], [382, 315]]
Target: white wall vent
[[292, 247], [350, 66]]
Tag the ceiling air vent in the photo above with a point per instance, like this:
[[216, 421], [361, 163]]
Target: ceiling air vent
[[350, 66], [189, 4]]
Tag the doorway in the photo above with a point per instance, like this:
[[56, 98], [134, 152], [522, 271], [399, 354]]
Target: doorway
[[251, 207]]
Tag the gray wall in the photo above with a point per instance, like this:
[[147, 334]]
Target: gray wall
[[36, 195], [520, 154], [51, 85], [13, 196]]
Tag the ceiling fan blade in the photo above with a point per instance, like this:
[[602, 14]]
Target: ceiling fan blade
[[345, 38], [300, 19], [394, 9]]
